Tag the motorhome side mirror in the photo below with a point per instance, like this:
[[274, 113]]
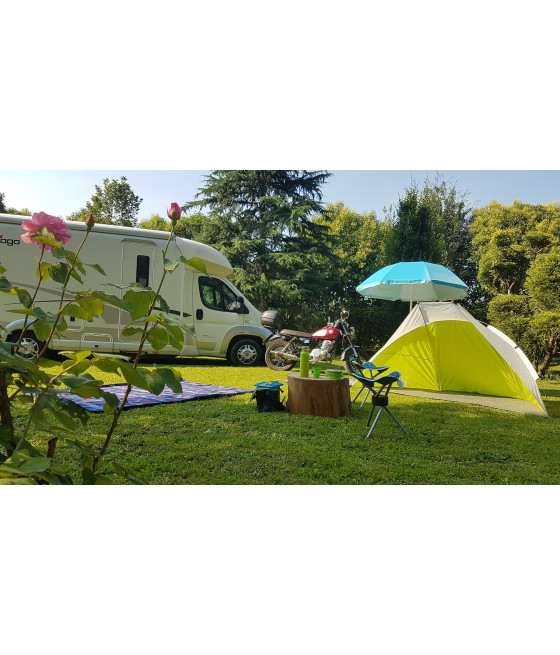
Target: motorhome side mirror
[[240, 306]]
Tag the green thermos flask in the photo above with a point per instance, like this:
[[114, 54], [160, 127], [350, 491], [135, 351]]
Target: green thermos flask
[[304, 362]]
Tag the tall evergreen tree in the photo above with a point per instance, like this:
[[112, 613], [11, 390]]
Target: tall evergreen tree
[[413, 237], [262, 221], [433, 224]]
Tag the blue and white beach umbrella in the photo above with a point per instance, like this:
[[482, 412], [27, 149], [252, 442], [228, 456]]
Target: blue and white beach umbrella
[[413, 281]]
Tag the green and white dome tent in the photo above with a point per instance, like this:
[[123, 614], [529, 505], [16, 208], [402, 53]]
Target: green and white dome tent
[[445, 353]]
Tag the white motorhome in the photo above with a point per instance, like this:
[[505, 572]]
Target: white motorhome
[[225, 324]]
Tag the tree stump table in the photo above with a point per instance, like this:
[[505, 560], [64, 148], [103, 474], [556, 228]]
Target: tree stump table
[[318, 396]]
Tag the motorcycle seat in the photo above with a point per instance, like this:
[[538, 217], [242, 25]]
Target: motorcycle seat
[[293, 333]]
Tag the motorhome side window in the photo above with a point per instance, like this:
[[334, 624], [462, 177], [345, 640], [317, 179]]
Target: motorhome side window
[[216, 295], [143, 270]]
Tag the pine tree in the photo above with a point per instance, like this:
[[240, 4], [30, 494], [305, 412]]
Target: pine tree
[[413, 237], [263, 223]]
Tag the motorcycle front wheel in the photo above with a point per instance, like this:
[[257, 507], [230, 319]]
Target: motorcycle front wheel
[[274, 356], [351, 362]]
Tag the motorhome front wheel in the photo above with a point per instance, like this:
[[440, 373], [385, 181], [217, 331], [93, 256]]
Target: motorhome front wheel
[[246, 352], [29, 347]]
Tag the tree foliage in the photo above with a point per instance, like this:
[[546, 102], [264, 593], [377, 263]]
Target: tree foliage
[[24, 211], [357, 242], [543, 281], [3, 208], [115, 203], [156, 222], [413, 237], [80, 216], [262, 221], [432, 223], [292, 255], [518, 250]]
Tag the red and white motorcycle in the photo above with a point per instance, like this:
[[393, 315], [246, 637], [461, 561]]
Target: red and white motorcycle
[[284, 346]]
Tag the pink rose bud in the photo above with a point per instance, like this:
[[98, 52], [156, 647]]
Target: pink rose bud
[[90, 222], [174, 212]]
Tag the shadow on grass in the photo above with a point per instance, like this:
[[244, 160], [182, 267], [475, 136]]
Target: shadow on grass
[[184, 361], [169, 360]]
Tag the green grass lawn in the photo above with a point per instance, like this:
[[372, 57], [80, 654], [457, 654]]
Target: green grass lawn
[[226, 441]]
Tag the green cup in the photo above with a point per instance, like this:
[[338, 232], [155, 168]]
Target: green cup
[[316, 371]]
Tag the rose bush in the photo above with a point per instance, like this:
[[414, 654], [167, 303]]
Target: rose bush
[[30, 384]]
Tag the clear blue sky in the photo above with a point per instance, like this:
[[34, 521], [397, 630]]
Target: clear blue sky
[[62, 192]]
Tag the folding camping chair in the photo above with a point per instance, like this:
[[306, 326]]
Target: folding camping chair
[[380, 396], [373, 372]]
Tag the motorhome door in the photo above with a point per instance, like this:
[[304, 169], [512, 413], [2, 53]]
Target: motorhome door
[[214, 303], [137, 266]]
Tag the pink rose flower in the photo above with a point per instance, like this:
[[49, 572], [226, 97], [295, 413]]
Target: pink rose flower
[[45, 225], [174, 212]]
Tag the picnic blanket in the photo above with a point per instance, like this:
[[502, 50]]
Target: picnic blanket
[[142, 398]]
